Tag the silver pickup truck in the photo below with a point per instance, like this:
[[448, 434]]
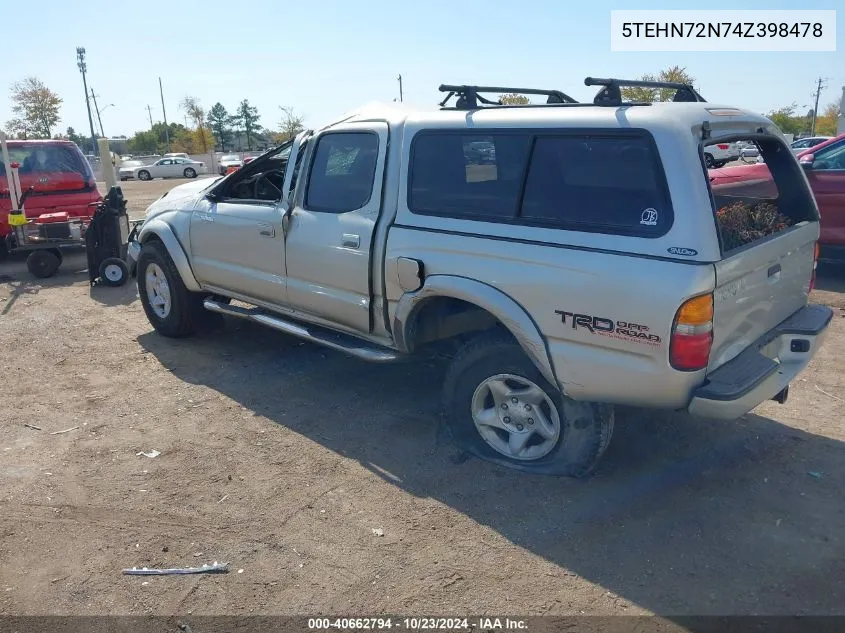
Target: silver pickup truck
[[571, 256]]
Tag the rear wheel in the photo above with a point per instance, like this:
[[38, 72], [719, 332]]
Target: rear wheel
[[114, 271], [171, 309], [499, 407], [708, 160], [144, 175], [43, 264], [190, 173]]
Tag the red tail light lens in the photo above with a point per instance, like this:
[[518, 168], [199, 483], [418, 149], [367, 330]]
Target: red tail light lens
[[692, 334], [723, 146]]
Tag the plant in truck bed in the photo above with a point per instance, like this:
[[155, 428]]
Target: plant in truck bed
[[742, 223]]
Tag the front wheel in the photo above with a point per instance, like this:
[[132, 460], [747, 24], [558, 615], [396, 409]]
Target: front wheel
[[500, 408], [170, 308], [190, 173]]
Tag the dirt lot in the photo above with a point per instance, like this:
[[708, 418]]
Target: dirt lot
[[281, 458]]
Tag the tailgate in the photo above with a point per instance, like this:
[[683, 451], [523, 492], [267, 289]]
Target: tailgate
[[759, 286]]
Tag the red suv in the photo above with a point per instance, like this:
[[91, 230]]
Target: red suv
[[59, 175], [824, 166]]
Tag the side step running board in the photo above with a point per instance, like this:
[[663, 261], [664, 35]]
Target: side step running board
[[335, 340]]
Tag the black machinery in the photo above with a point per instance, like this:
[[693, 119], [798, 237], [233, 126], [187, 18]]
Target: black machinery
[[107, 239]]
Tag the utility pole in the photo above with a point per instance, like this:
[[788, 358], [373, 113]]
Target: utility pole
[[83, 67], [819, 87], [401, 97], [97, 110], [164, 114], [150, 112]]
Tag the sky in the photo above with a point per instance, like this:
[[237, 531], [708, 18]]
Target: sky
[[323, 58]]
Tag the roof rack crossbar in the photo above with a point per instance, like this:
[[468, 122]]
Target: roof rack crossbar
[[469, 97], [611, 93]]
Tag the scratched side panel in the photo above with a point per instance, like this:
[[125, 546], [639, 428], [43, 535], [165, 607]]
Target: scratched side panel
[[566, 290]]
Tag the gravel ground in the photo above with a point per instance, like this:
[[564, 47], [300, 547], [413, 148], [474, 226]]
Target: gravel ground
[[327, 482]]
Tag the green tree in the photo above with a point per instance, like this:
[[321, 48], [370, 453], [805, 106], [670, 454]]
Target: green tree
[[196, 112], [787, 121], [36, 109], [513, 99], [826, 122], [290, 125], [83, 143], [154, 140], [220, 122], [248, 117], [675, 74]]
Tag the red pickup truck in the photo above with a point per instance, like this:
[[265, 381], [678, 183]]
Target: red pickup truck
[[824, 166], [59, 175]]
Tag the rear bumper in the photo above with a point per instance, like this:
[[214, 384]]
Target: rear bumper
[[764, 369]]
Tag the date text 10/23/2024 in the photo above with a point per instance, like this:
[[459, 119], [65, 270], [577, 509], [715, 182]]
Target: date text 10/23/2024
[[417, 624]]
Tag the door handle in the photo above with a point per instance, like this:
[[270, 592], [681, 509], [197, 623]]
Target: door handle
[[351, 241], [267, 230]]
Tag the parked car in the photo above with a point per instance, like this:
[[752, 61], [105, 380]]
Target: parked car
[[583, 269], [227, 161], [170, 168], [58, 177], [747, 149], [128, 167], [721, 154], [806, 143], [824, 167]]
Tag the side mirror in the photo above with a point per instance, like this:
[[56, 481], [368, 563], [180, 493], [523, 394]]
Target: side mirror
[[807, 161]]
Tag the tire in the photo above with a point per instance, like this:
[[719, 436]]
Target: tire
[[574, 434], [176, 316], [144, 175], [58, 253], [4, 249], [190, 173], [43, 264], [114, 272], [720, 163], [708, 161]]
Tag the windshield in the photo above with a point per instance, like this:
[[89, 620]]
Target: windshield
[[39, 157], [132, 163], [230, 157]]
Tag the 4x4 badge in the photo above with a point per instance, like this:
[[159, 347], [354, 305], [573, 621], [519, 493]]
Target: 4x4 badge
[[649, 217]]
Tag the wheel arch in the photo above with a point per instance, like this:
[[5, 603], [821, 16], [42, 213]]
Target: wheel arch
[[500, 306], [157, 229]]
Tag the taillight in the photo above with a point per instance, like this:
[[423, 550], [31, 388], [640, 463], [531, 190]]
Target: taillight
[[692, 334], [723, 146], [815, 265]]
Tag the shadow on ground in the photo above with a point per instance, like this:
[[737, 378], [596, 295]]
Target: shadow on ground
[[684, 516]]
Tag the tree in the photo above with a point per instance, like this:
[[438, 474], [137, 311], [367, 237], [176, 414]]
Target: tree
[[290, 125], [787, 121], [36, 108], [826, 122], [220, 122], [675, 74], [82, 142], [195, 111], [154, 140], [248, 117], [513, 99]]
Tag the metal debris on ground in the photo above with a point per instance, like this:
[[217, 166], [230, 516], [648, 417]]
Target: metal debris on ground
[[150, 454], [73, 428], [214, 568], [33, 427]]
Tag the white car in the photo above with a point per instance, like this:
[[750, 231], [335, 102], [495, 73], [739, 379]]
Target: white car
[[806, 143], [128, 167], [721, 154], [176, 155], [170, 168], [229, 160]]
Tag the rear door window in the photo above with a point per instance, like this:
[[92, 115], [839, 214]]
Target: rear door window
[[611, 184]]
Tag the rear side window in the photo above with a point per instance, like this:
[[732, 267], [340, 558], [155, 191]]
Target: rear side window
[[342, 172], [468, 175], [611, 184], [608, 184]]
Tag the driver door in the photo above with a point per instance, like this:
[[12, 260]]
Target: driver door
[[237, 243]]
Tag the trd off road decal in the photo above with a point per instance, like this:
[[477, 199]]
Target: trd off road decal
[[622, 330]]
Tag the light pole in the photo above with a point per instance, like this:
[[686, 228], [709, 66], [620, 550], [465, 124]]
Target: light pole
[[83, 67]]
